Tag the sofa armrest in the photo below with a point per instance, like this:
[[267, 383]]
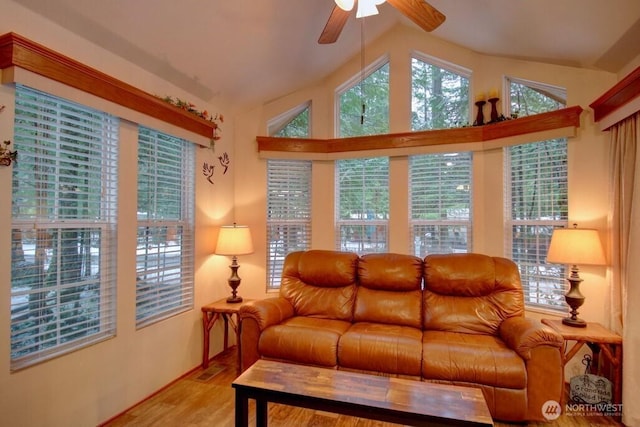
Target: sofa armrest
[[267, 312], [254, 317], [541, 347], [523, 335]]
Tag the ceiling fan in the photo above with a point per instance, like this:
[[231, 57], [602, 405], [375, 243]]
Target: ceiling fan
[[419, 11]]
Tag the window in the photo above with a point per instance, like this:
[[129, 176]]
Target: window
[[440, 95], [364, 105], [527, 97], [63, 227], [164, 253], [288, 127], [440, 203], [288, 197], [439, 184], [288, 213], [362, 185], [536, 198], [363, 204]]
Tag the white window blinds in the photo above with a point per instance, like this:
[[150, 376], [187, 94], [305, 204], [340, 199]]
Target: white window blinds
[[440, 203], [63, 227], [536, 204], [362, 211], [288, 213], [164, 253]]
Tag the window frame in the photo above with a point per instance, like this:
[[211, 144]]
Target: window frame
[[549, 279], [354, 81], [281, 173], [366, 233], [295, 229], [77, 128], [440, 224], [461, 71], [370, 232], [174, 295]]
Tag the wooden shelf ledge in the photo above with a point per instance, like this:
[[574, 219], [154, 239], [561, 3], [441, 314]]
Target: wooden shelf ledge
[[18, 51], [566, 117]]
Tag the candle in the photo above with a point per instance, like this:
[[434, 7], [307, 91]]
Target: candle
[[480, 97], [493, 93]]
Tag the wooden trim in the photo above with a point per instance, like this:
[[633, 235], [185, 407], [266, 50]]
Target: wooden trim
[[566, 117], [624, 91], [19, 51]]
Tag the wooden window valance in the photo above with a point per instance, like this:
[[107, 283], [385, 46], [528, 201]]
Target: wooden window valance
[[623, 93], [18, 51]]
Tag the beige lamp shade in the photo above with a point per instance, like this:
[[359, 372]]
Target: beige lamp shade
[[234, 240], [577, 246]]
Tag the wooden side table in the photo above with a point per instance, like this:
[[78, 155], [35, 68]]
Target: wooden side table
[[210, 314], [601, 341]]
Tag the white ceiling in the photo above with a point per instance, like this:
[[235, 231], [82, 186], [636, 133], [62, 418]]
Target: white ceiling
[[222, 49]]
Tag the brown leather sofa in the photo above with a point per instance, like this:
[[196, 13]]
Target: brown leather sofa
[[456, 318]]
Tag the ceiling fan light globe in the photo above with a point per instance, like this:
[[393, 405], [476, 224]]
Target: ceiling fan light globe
[[366, 8], [346, 5]]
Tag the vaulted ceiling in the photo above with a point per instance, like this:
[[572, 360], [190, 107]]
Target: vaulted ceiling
[[224, 49]]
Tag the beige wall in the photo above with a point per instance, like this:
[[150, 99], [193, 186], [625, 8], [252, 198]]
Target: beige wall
[[94, 384]]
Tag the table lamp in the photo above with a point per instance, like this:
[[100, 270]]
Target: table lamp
[[575, 246], [234, 240]]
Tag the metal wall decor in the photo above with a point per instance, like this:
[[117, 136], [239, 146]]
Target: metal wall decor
[[208, 170]]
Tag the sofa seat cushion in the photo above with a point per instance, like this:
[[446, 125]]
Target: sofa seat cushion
[[392, 349], [480, 359], [306, 340]]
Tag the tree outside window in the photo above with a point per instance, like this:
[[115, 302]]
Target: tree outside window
[[536, 197], [64, 208], [288, 200], [440, 96], [439, 184], [362, 185]]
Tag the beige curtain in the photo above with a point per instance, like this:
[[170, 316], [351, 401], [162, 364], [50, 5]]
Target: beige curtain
[[625, 257]]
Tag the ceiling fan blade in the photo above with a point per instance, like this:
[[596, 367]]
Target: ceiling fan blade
[[334, 25], [422, 13]]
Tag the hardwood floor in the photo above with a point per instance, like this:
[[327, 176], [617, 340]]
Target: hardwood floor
[[206, 398]]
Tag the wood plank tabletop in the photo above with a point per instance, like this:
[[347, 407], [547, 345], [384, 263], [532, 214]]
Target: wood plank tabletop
[[446, 404]]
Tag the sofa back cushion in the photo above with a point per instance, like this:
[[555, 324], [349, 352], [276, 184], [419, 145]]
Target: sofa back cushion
[[320, 283], [389, 290], [470, 293]]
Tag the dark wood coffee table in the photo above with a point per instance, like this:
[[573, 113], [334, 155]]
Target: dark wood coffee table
[[374, 397]]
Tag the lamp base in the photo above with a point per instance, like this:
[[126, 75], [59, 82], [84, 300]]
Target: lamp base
[[574, 299], [576, 323], [234, 282]]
